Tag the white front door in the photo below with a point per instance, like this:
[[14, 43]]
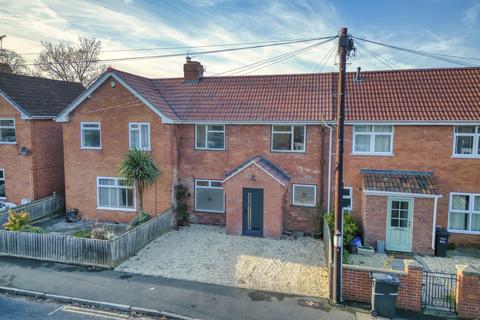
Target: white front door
[[399, 224]]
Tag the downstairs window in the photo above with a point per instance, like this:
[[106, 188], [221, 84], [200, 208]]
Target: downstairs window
[[209, 196], [115, 194], [464, 213]]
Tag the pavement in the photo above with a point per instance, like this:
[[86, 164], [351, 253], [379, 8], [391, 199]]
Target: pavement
[[185, 298]]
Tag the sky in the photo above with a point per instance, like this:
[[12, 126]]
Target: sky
[[438, 26]]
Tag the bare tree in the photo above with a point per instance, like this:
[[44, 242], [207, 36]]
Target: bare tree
[[72, 63], [14, 60]]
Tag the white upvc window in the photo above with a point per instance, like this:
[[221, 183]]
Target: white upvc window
[[210, 137], [347, 199], [7, 131], [288, 138], [304, 195], [209, 196], [466, 141], [91, 135], [3, 193], [464, 213], [372, 140], [139, 136], [115, 194]]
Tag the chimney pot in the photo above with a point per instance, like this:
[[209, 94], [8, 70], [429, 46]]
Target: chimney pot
[[358, 76], [5, 68]]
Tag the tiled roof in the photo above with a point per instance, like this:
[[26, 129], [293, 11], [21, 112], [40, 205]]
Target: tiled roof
[[399, 181], [38, 96], [400, 95], [263, 163]]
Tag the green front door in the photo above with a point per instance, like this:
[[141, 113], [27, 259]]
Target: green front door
[[399, 224]]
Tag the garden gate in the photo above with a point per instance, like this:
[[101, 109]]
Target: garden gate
[[439, 291]]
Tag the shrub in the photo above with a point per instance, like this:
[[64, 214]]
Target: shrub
[[318, 220], [181, 209], [139, 220], [33, 229], [82, 234], [17, 221], [350, 227]]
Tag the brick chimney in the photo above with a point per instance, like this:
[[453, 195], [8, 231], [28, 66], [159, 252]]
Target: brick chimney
[[5, 68], [192, 70]]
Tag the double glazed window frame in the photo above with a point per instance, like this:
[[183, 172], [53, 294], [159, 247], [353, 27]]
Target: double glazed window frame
[[470, 211], [82, 146], [372, 135], [210, 186], [476, 141], [140, 137], [292, 138], [100, 207], [2, 178], [207, 131], [296, 185], [14, 127], [349, 197]]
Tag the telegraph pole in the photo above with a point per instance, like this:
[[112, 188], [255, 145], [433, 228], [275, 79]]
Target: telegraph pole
[[345, 45]]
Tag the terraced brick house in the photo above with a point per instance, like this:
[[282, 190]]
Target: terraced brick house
[[256, 152], [31, 144]]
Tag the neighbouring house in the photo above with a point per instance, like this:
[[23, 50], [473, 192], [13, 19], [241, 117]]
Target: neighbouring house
[[257, 152], [31, 145]]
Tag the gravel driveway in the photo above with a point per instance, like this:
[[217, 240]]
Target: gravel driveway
[[207, 254]]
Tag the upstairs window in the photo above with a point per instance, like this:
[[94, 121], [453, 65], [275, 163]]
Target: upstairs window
[[305, 195], [464, 214], [467, 141], [91, 135], [139, 134], [209, 196], [288, 138], [115, 194], [2, 184], [210, 137], [7, 131], [373, 139]]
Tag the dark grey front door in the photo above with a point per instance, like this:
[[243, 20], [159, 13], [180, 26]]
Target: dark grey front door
[[252, 212]]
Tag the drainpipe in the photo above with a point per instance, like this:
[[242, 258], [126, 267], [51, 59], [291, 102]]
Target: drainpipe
[[434, 221], [329, 165]]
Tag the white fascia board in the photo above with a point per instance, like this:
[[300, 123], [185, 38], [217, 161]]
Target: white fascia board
[[64, 115], [23, 114], [411, 123], [401, 194], [248, 165], [253, 122]]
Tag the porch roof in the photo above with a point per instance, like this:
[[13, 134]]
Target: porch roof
[[416, 182], [270, 168]]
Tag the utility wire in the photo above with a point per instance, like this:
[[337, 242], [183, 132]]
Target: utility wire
[[271, 59], [203, 52], [188, 47], [389, 64], [421, 53]]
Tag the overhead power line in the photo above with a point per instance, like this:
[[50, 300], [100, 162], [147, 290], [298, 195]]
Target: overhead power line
[[190, 47], [383, 60], [440, 57], [206, 52], [272, 60]]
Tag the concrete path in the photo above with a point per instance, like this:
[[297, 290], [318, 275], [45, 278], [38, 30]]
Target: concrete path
[[193, 299]]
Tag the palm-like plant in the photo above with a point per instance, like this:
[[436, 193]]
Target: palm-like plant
[[139, 168]]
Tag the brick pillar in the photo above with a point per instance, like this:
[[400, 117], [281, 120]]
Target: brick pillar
[[410, 291], [468, 292]]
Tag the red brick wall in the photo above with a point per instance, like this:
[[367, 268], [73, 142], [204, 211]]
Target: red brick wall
[[273, 193], [375, 222], [19, 180], [357, 286], [48, 157], [115, 108], [468, 293], [243, 142], [420, 148]]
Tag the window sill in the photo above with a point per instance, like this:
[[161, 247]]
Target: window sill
[[90, 148], [8, 143], [208, 149], [209, 211], [464, 232], [288, 151], [302, 206], [146, 150], [458, 156], [372, 154], [116, 209]]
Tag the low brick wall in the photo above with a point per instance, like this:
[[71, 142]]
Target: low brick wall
[[468, 293], [357, 284]]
